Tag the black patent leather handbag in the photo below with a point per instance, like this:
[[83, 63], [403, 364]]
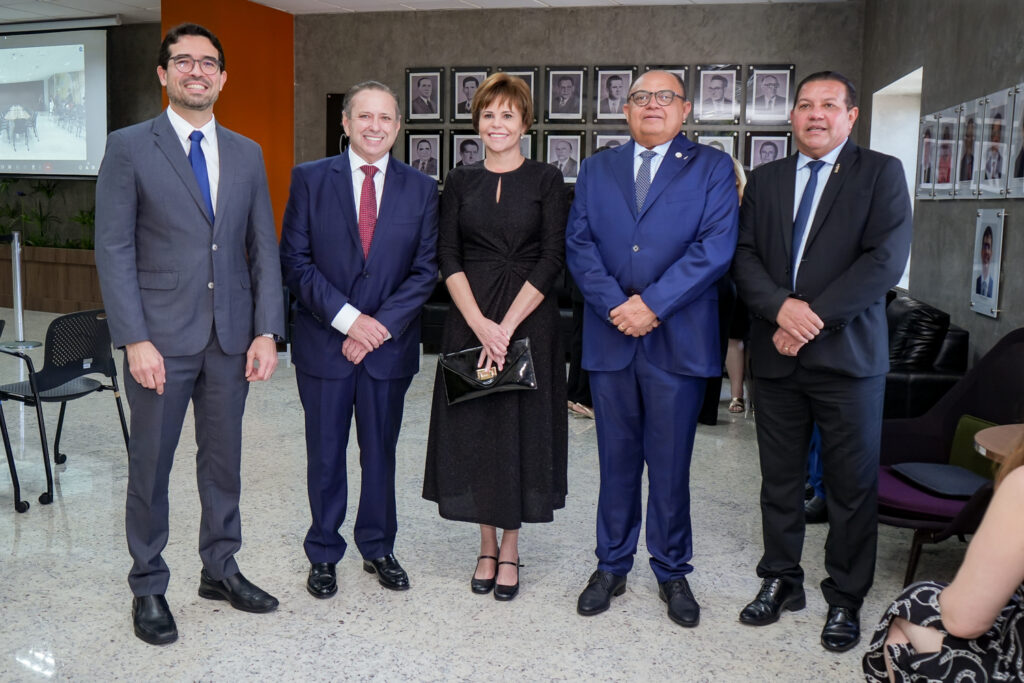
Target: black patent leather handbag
[[464, 381]]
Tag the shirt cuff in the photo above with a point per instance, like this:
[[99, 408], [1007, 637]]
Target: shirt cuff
[[345, 317]]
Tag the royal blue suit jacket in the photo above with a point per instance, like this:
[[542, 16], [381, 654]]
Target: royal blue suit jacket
[[671, 252], [323, 265]]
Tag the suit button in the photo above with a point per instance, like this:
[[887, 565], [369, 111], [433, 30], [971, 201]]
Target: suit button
[[209, 285], [636, 247], [214, 247], [366, 275]]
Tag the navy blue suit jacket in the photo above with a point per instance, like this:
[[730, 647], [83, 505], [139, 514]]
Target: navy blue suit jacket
[[671, 252], [323, 265], [856, 250]]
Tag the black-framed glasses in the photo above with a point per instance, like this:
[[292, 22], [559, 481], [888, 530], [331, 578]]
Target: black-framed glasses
[[185, 64], [663, 97]]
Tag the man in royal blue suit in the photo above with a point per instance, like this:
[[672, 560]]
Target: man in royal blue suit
[[358, 253], [824, 234], [652, 229]]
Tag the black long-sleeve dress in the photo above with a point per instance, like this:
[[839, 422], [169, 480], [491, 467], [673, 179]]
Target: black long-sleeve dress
[[501, 459]]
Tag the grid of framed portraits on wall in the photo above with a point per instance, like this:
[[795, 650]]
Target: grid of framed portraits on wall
[[974, 150]]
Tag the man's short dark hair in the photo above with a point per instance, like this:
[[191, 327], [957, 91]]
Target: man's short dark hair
[[851, 91], [563, 79], [614, 77], [367, 85], [988, 234], [466, 143], [424, 78], [716, 77], [179, 32], [467, 79], [769, 143]]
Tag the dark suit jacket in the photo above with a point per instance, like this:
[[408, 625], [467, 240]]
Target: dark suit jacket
[[672, 252], [761, 105], [983, 287], [572, 106], [857, 247], [323, 264], [464, 107], [606, 107], [429, 166], [419, 106], [168, 275]]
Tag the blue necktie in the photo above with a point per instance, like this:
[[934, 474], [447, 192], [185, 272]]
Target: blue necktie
[[643, 178], [803, 213], [198, 161]]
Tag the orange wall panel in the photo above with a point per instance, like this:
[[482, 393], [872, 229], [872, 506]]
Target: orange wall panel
[[258, 97]]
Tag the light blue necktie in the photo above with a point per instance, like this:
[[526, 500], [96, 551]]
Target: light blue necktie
[[803, 213], [198, 161], [643, 178]]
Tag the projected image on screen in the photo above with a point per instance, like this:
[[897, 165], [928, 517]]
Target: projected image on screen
[[52, 103]]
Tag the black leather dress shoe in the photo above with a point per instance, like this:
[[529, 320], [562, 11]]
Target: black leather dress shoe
[[389, 573], [152, 620], [597, 596], [237, 590], [815, 511], [682, 607], [775, 595], [483, 586], [323, 580], [842, 629], [505, 592]]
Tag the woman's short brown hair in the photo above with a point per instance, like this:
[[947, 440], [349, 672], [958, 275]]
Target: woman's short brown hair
[[501, 86]]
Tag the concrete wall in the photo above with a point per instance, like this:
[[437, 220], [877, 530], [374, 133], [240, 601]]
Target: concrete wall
[[334, 51], [967, 49]]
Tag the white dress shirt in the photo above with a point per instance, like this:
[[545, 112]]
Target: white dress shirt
[[209, 146], [660, 152], [803, 174]]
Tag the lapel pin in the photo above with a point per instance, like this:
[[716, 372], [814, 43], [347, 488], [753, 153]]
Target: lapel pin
[[678, 154], [837, 169]]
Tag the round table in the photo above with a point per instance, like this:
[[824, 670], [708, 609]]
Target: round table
[[995, 443]]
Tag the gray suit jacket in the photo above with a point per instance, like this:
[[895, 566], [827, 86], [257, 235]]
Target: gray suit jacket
[[167, 274]]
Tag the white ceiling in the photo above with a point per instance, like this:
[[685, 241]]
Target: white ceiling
[[138, 11]]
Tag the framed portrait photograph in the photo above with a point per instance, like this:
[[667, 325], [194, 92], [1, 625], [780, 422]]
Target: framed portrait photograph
[[718, 94], [925, 188], [995, 151], [530, 74], [423, 151], [336, 142], [566, 94], [608, 139], [723, 140], [611, 85], [988, 251], [1015, 183], [946, 122], [968, 154], [765, 147], [679, 70], [564, 151], [770, 93], [466, 148], [423, 94], [464, 82]]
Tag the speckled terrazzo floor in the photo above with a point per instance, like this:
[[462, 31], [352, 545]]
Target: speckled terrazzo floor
[[65, 603]]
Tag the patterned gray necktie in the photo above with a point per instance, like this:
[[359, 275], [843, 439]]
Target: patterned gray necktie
[[643, 178]]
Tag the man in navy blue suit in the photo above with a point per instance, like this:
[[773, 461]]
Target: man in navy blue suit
[[652, 229], [358, 253]]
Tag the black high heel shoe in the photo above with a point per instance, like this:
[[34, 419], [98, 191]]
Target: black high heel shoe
[[483, 586], [503, 592]]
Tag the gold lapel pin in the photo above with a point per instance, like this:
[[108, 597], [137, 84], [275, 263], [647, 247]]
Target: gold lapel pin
[[679, 154]]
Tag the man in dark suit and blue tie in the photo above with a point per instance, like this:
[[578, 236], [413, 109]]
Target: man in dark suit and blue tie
[[187, 258], [652, 229], [358, 252], [824, 234]]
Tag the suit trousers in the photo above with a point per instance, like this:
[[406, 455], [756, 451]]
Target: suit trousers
[[215, 383], [848, 412], [328, 405], [645, 415]]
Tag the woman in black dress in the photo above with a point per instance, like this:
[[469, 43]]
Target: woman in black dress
[[500, 460]]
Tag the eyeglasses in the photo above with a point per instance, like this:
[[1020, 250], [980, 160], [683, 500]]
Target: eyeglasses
[[664, 97], [185, 64], [771, 84]]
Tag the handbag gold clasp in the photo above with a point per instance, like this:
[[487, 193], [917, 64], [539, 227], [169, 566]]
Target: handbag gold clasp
[[484, 374]]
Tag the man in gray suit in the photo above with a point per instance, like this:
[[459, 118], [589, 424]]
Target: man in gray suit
[[187, 258]]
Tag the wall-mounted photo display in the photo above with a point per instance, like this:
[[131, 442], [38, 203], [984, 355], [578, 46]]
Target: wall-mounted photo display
[[968, 155], [995, 151], [528, 145], [764, 147], [530, 74], [564, 151], [423, 94], [336, 141], [423, 150], [926, 158], [566, 94], [770, 93], [723, 140], [464, 82], [988, 251], [466, 148], [609, 139], [611, 85], [1015, 183], [718, 95], [946, 122]]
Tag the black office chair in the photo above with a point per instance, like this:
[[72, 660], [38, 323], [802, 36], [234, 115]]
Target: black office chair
[[77, 344], [19, 504]]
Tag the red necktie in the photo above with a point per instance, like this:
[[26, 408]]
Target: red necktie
[[367, 208]]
